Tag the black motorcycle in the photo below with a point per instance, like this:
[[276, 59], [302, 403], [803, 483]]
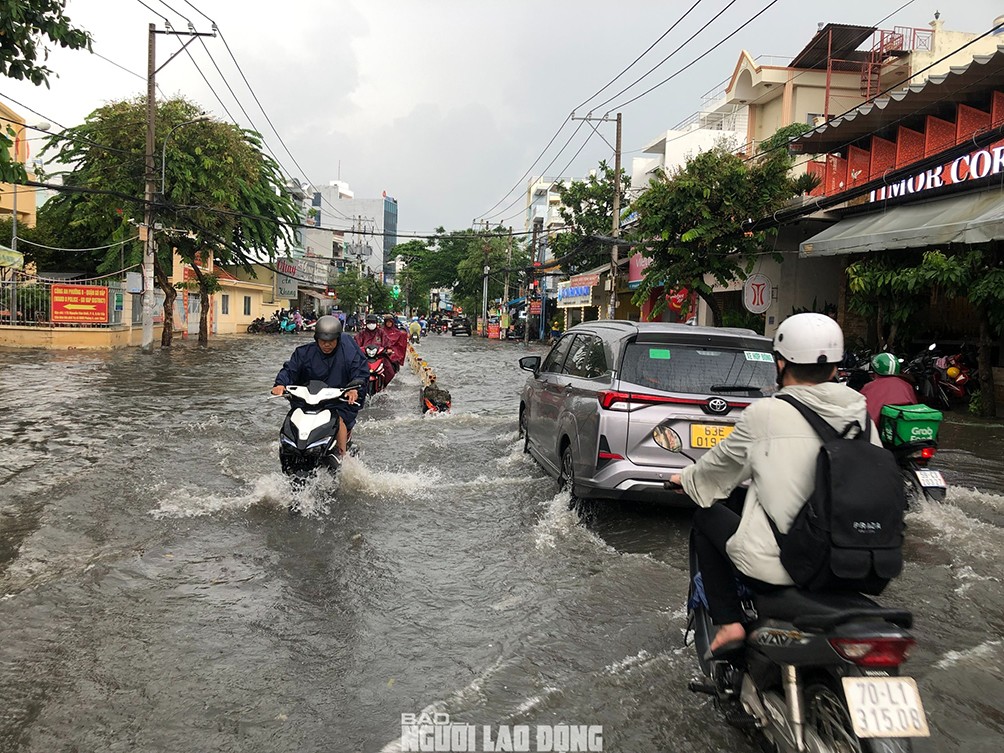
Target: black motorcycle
[[818, 673], [307, 438]]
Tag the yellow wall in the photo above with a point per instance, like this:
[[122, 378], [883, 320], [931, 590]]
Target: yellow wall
[[25, 195]]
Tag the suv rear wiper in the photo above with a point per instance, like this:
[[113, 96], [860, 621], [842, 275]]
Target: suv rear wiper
[[734, 388]]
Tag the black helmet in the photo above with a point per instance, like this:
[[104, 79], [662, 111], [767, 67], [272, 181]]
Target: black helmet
[[372, 319], [328, 328]]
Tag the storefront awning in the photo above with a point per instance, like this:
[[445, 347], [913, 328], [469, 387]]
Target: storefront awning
[[318, 296], [970, 219], [516, 302]]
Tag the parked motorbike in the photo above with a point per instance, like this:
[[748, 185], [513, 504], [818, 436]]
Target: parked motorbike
[[257, 326], [307, 436], [818, 673], [381, 369], [855, 369], [957, 374], [922, 371]]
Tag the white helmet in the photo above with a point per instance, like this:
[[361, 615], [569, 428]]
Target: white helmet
[[809, 338]]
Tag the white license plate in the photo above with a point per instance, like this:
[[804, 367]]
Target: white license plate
[[885, 707], [930, 478]]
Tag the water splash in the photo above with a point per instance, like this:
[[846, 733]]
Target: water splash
[[979, 655]]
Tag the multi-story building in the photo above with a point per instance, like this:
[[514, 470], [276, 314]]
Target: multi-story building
[[369, 226], [19, 199]]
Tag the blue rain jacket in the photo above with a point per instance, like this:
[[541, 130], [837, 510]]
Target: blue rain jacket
[[345, 365]]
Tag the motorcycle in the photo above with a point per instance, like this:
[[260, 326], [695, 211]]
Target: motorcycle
[[414, 339], [957, 375], [910, 432], [855, 369], [817, 673], [923, 372], [307, 437], [381, 370], [257, 326]]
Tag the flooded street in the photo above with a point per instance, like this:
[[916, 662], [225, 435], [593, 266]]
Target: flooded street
[[156, 594]]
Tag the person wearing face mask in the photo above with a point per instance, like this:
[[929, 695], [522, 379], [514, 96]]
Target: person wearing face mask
[[384, 337]]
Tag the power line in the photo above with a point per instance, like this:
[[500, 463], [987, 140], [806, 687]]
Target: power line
[[658, 65], [647, 50], [543, 172], [561, 127], [699, 57]]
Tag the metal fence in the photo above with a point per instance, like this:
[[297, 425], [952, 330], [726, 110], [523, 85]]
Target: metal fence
[[30, 301]]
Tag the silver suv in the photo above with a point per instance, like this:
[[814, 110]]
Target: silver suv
[[616, 407]]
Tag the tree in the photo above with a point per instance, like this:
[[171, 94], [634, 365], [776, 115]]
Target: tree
[[889, 290], [587, 207], [222, 198], [697, 222], [26, 29], [976, 272], [456, 260]]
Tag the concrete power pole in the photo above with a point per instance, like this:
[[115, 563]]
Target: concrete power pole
[[149, 193], [616, 222], [149, 243]]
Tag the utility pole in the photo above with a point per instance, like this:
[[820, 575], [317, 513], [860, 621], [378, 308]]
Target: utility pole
[[149, 242], [529, 283], [612, 308]]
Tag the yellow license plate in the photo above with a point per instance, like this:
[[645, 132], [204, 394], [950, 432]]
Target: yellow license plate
[[706, 436]]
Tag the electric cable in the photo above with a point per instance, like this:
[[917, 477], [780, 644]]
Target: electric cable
[[700, 57], [561, 127], [658, 65]]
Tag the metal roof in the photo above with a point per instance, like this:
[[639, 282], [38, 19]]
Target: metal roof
[[971, 83], [845, 40]]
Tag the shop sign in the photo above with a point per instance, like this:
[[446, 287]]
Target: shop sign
[[585, 280], [11, 258], [677, 299], [570, 295], [757, 293], [80, 304], [284, 281], [637, 264], [535, 307], [972, 166]]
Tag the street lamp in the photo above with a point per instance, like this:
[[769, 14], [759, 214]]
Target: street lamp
[[163, 151], [43, 126]]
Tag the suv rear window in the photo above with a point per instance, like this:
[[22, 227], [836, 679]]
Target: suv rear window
[[699, 369]]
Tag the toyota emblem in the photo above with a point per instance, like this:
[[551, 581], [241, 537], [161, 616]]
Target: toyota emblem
[[718, 405]]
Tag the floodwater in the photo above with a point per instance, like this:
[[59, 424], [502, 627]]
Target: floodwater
[[156, 594]]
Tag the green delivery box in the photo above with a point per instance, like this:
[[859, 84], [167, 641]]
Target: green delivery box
[[903, 424]]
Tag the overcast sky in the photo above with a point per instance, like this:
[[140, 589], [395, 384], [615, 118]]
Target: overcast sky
[[443, 104]]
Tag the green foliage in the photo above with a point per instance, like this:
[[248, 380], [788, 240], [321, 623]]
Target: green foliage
[[976, 406], [698, 221], [26, 30], [351, 288], [587, 208], [456, 260], [222, 196], [744, 319]]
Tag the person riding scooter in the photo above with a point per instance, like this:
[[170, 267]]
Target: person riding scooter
[[335, 359], [415, 330], [888, 387], [775, 449]]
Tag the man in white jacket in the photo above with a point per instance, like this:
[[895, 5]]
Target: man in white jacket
[[775, 449]]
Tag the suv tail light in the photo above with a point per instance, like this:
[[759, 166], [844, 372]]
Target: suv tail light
[[873, 652], [628, 401]]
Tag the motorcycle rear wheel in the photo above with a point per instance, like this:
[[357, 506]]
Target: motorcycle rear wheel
[[827, 716]]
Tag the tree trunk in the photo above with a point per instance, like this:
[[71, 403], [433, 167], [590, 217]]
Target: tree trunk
[[169, 295], [203, 307], [879, 337], [987, 397], [716, 312]]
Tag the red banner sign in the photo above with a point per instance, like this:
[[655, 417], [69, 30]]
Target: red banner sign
[[534, 307], [81, 304]]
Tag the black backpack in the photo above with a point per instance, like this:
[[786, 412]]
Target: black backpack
[[849, 534]]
